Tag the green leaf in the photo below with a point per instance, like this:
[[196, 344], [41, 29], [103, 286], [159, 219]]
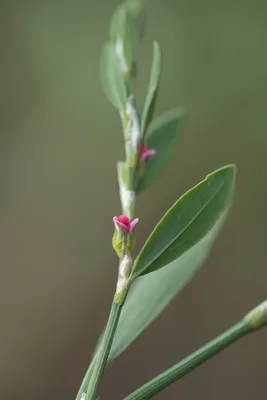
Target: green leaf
[[137, 11], [161, 136], [187, 221], [150, 294], [152, 88], [112, 77], [124, 27]]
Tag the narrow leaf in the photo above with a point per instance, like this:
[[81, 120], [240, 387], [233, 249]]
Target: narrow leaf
[[125, 28], [150, 294], [161, 136], [187, 221], [152, 88], [112, 77]]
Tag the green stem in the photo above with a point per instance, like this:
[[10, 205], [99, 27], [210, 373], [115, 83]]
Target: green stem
[[185, 366], [103, 351], [86, 379]]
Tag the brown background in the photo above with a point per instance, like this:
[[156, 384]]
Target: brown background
[[60, 140]]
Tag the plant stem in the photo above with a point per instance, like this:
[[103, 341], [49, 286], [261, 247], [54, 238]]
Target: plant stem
[[185, 366], [103, 352], [86, 379]]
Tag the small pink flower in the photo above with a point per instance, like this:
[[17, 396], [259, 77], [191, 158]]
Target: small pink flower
[[124, 222], [146, 153]]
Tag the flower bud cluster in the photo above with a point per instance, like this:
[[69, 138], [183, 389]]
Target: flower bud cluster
[[123, 240]]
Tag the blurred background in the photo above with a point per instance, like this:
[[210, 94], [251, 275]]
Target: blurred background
[[60, 139]]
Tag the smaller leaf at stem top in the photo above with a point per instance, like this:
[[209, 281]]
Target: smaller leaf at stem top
[[124, 34], [153, 86], [187, 221], [112, 78]]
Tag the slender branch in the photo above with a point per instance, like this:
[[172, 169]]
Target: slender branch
[[86, 378], [188, 364], [103, 351], [254, 320]]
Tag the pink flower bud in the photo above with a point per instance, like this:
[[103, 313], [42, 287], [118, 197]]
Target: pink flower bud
[[124, 222], [146, 153]]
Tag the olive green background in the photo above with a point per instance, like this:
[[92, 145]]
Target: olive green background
[[60, 139]]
